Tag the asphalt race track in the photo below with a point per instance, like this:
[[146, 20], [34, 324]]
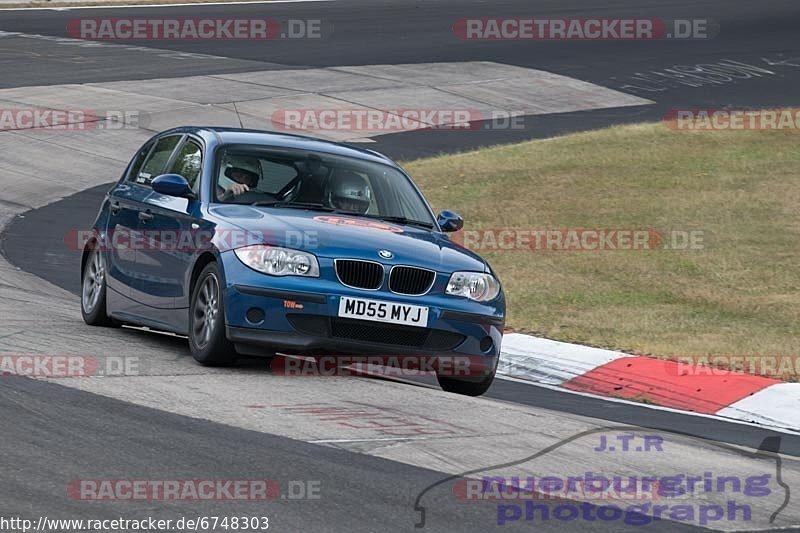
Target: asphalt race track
[[374, 447], [27, 239]]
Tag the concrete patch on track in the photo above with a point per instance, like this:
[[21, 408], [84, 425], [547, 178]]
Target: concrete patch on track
[[506, 88], [262, 99], [322, 80], [107, 144], [199, 89], [78, 97], [39, 166], [484, 88]]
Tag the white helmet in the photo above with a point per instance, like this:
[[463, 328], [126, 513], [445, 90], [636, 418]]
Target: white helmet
[[246, 167], [349, 191]]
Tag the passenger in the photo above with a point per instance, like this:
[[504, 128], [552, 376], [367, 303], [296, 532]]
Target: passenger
[[350, 192]]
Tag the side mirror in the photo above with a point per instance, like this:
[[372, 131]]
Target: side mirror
[[173, 185], [449, 221]]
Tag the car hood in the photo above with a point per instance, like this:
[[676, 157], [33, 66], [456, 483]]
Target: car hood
[[340, 236]]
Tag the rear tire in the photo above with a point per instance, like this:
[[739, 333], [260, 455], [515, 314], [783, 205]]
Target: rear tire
[[207, 340], [93, 291]]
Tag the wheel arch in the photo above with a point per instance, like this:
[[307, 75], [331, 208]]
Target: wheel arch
[[87, 249], [202, 261]]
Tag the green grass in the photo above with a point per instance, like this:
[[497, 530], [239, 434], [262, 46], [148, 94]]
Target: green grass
[[739, 295]]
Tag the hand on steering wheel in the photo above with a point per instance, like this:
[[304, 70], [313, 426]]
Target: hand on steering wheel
[[235, 190]]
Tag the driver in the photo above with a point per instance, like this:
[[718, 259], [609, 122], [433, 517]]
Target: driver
[[348, 191], [240, 174]]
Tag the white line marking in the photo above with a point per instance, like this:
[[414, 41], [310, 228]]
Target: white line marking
[[83, 43], [69, 8]]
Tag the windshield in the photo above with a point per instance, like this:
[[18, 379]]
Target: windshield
[[318, 181]]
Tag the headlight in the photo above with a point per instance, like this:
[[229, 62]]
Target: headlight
[[476, 286], [277, 261]]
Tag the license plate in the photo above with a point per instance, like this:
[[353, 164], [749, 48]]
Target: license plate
[[377, 311]]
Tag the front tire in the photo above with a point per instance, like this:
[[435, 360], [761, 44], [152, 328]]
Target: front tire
[[207, 340], [466, 386], [93, 291]]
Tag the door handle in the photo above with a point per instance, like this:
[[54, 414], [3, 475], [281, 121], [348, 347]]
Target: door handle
[[145, 216], [115, 207]]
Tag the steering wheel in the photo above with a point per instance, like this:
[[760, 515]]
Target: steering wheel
[[247, 197]]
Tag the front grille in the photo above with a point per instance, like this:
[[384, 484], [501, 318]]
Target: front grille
[[364, 331], [359, 274], [410, 280], [430, 339]]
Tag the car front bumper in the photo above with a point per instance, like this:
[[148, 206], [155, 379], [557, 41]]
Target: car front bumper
[[297, 315]]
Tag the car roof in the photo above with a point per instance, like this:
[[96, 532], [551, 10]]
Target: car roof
[[225, 135]]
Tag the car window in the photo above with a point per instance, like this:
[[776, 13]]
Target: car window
[[275, 176], [249, 174], [157, 161], [138, 159], [264, 175], [188, 162]]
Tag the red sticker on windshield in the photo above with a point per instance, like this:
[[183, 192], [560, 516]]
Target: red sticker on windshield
[[358, 222]]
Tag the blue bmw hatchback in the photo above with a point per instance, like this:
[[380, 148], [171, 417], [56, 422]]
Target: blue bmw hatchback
[[259, 243]]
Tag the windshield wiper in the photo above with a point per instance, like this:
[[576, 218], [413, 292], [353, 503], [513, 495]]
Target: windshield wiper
[[296, 205], [402, 220]]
